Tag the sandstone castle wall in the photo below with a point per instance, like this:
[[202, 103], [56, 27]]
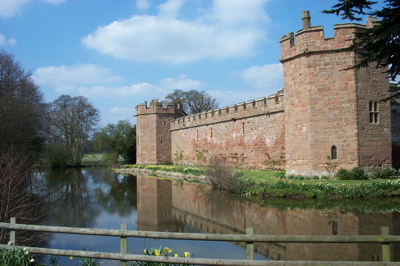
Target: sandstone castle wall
[[324, 119], [248, 134]]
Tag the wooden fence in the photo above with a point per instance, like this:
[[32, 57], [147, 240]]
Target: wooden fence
[[385, 239]]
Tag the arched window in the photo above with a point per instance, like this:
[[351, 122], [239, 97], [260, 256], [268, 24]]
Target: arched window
[[333, 152]]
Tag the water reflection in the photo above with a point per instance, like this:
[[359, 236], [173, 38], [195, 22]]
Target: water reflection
[[100, 199], [117, 194], [68, 194], [169, 205]]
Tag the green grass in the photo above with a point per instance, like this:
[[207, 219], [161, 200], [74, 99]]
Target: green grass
[[92, 158], [258, 175], [263, 183], [96, 159]]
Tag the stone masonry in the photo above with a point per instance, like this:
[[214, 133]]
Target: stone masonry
[[324, 119]]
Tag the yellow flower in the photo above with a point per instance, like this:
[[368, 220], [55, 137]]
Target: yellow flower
[[70, 257], [166, 249], [186, 254], [157, 252], [176, 255], [170, 251]]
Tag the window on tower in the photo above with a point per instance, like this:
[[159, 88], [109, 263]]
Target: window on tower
[[373, 112]]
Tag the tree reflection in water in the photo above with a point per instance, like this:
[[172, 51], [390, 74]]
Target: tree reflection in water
[[117, 194], [69, 197]]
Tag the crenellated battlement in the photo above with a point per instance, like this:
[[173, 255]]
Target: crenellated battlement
[[261, 106], [157, 107], [311, 39]]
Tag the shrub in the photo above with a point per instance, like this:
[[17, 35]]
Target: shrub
[[280, 175], [308, 178], [110, 159], [315, 177], [383, 173], [357, 173], [324, 177], [291, 177], [238, 174], [167, 162], [343, 174], [221, 176], [300, 177]]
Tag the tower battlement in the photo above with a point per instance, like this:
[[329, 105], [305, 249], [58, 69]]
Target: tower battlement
[[157, 107], [310, 39]]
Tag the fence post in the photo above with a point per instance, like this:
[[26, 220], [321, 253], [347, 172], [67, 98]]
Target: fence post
[[12, 232], [249, 245], [123, 244], [385, 245]]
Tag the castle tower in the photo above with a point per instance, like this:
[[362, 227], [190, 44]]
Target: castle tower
[[153, 138], [333, 117]]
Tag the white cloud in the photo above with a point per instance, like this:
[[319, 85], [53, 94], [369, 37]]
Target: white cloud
[[142, 4], [180, 83], [4, 41], [170, 8], [266, 76], [10, 8], [227, 29], [65, 78], [239, 12], [120, 110], [135, 90]]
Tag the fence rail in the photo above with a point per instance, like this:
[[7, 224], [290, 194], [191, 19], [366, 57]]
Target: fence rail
[[385, 239]]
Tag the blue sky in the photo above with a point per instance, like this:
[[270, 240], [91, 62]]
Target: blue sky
[[120, 53]]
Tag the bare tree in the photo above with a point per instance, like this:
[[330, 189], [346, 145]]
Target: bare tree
[[21, 108], [17, 197], [72, 121], [192, 102]]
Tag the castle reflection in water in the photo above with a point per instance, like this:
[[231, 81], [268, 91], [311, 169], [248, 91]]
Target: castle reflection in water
[[167, 205]]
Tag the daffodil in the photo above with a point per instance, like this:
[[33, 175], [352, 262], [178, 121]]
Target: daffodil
[[176, 255], [186, 254], [71, 257]]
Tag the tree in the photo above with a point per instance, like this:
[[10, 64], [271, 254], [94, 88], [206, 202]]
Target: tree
[[72, 121], [379, 45], [21, 109], [192, 102], [117, 140], [18, 195]]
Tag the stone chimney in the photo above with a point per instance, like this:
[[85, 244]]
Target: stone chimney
[[306, 17]]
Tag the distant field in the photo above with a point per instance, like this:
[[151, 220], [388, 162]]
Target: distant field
[[96, 159], [91, 158]]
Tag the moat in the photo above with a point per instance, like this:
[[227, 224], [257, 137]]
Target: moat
[[100, 199]]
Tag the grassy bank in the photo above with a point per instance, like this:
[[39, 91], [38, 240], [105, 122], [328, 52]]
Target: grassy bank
[[97, 160], [270, 184]]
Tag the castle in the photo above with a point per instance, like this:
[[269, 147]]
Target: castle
[[324, 119]]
